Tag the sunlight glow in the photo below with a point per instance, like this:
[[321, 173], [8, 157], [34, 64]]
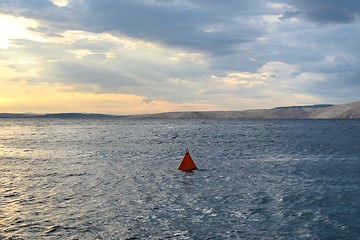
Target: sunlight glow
[[60, 3], [17, 28], [19, 96]]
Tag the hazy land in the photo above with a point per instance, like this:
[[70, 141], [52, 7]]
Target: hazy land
[[324, 111]]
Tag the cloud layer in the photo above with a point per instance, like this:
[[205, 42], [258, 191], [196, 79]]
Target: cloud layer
[[185, 54]]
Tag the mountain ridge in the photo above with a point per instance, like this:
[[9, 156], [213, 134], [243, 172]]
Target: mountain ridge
[[326, 111]]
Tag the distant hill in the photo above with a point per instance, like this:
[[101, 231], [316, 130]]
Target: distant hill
[[307, 106], [349, 110], [57, 115], [15, 115], [76, 115]]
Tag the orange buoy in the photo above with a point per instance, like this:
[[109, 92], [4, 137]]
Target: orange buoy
[[187, 164]]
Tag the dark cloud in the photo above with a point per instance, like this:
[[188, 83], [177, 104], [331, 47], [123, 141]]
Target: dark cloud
[[324, 11], [30, 4], [208, 26], [170, 24], [43, 10]]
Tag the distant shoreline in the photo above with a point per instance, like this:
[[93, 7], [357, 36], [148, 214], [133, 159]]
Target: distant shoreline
[[320, 111]]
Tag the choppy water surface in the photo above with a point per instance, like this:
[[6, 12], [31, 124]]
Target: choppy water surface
[[117, 179]]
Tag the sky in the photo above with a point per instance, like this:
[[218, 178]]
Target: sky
[[149, 56]]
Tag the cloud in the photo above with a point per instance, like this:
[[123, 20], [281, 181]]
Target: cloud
[[278, 81], [104, 63], [187, 53], [323, 11], [194, 25], [60, 3]]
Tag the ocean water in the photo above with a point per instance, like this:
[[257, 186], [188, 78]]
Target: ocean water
[[117, 179]]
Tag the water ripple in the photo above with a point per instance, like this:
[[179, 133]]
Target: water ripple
[[117, 179]]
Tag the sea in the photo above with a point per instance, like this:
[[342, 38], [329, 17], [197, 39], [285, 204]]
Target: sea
[[118, 179]]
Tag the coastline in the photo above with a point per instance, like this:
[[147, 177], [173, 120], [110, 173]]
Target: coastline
[[325, 111]]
